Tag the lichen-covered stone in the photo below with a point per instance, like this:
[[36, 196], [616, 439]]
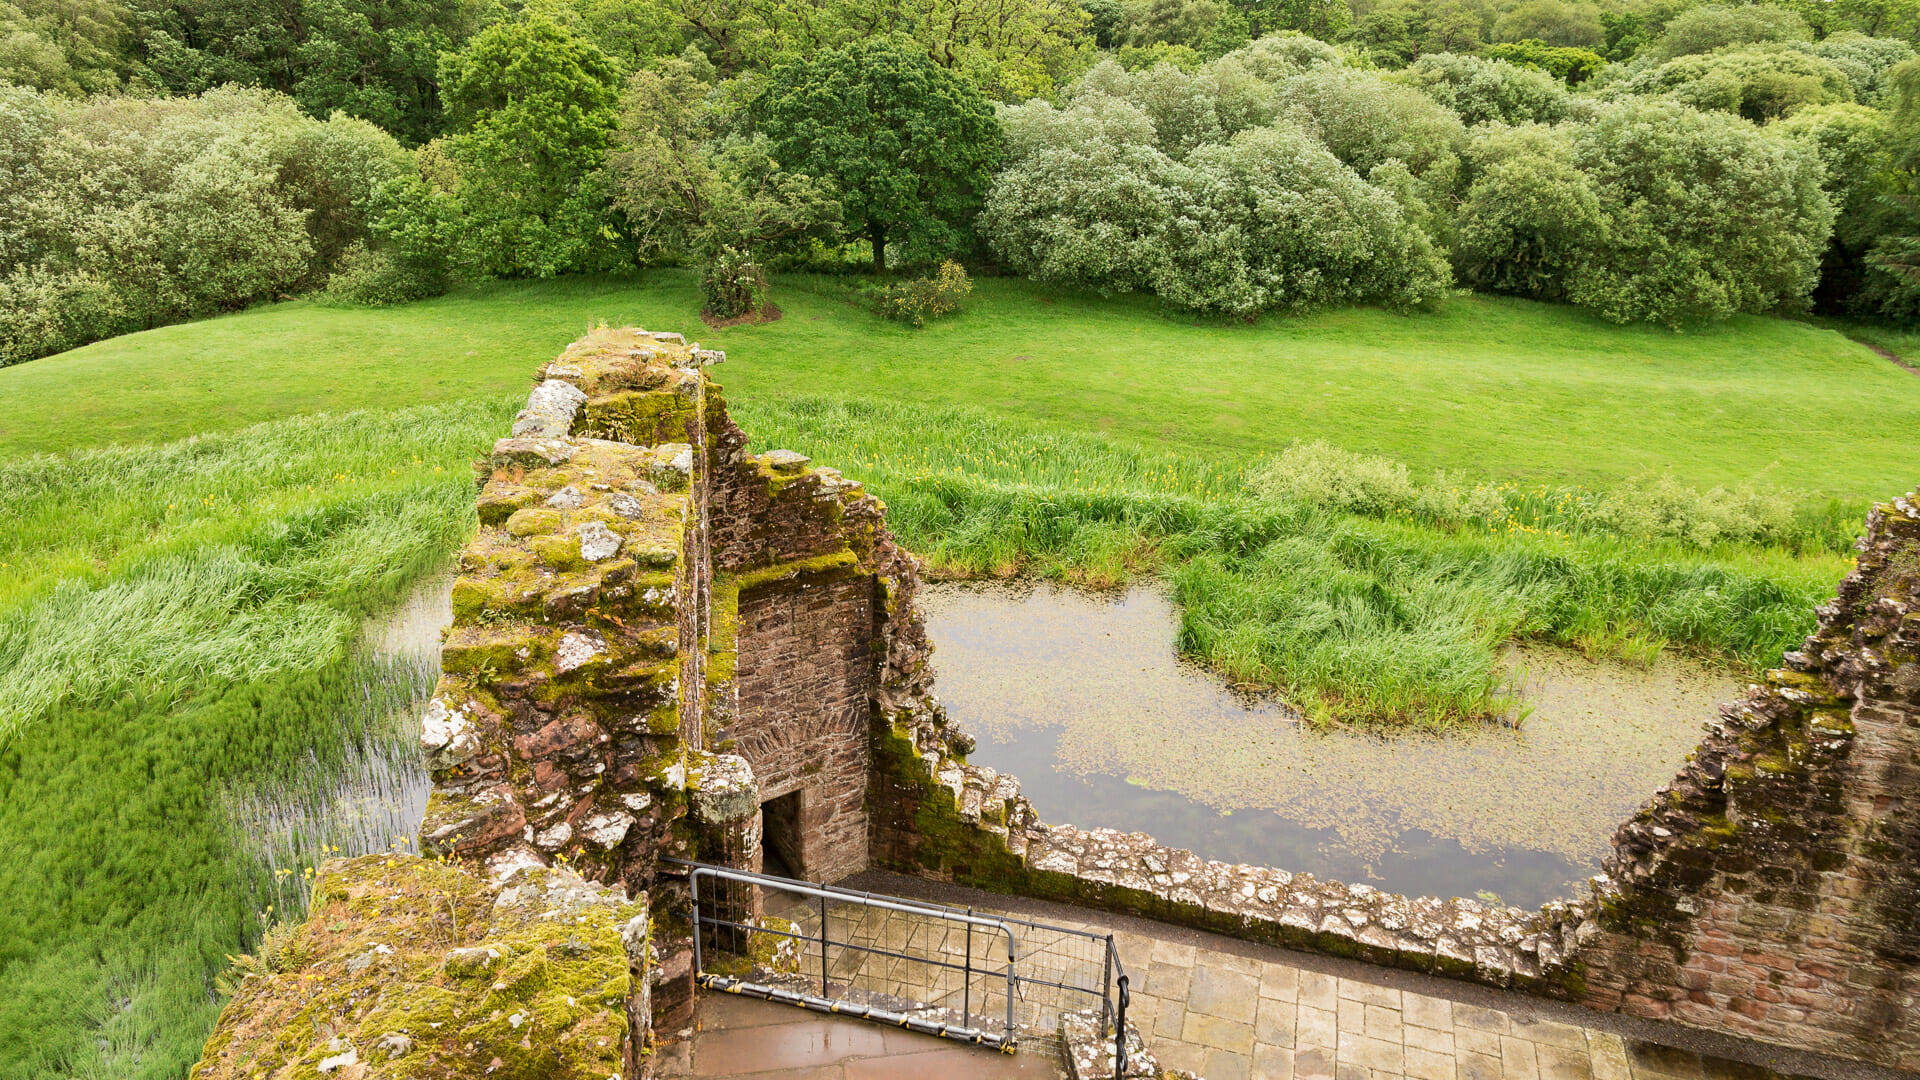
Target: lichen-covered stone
[[411, 968]]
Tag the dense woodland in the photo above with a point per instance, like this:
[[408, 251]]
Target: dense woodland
[[1648, 160]]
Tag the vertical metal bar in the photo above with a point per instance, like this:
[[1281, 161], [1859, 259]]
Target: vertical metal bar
[[823, 946], [1010, 984], [694, 880], [1106, 983], [1120, 1032], [966, 981]]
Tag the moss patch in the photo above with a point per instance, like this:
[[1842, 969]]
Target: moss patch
[[418, 969]]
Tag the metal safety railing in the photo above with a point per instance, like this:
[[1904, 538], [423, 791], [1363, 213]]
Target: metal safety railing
[[983, 978]]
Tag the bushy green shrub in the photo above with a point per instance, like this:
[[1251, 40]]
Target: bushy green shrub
[[1273, 221], [1366, 120], [1325, 475], [122, 213], [1707, 216], [380, 276], [1086, 197], [1486, 90], [916, 301], [1268, 220], [732, 284], [1526, 226]]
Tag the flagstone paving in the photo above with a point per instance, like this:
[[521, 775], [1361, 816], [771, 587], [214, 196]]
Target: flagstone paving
[[1230, 1010]]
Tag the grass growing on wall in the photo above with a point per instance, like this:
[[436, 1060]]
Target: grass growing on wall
[[1367, 619], [177, 621]]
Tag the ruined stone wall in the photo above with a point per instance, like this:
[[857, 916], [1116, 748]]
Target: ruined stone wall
[[1773, 889], [805, 675]]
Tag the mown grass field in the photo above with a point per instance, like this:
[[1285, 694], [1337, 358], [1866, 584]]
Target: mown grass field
[[1484, 387], [180, 598]]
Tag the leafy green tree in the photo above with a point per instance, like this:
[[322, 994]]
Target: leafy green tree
[[1707, 216], [1011, 49], [1386, 36], [1851, 141], [689, 182], [1323, 19], [1879, 18], [1452, 26], [908, 145], [1176, 22], [1627, 33], [374, 59], [72, 46], [1569, 25], [1866, 61], [1716, 26], [1759, 82], [1891, 283], [1572, 66], [1489, 90], [517, 190]]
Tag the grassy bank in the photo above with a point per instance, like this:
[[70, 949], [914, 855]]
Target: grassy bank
[[1484, 387], [1367, 619], [178, 623]]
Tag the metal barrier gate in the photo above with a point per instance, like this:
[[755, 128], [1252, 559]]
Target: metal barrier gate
[[987, 979]]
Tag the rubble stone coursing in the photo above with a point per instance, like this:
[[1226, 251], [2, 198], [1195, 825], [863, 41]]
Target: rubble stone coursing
[[1773, 888], [1771, 891]]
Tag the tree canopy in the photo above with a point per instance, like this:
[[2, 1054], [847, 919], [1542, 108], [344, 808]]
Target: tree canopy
[[908, 145]]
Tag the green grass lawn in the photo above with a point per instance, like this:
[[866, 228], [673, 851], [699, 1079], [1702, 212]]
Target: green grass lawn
[[1484, 387]]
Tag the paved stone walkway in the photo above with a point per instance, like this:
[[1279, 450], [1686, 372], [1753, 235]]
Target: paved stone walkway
[[1230, 1010], [746, 1039]]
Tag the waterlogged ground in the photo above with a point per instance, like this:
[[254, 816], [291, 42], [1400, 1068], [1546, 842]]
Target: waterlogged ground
[[1083, 697], [369, 793]]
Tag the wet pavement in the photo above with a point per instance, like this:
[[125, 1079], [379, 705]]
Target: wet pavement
[[744, 1037], [1232, 1010]]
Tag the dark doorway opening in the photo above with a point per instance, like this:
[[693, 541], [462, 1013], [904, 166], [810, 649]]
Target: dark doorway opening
[[780, 848]]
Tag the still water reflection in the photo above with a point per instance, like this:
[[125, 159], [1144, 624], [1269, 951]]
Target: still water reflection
[[1083, 698]]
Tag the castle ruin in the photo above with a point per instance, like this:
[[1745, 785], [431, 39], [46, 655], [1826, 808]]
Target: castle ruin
[[666, 647]]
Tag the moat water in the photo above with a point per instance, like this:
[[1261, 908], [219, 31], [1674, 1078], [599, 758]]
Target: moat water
[[1084, 698], [371, 794]]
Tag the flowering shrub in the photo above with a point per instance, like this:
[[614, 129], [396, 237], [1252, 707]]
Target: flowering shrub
[[914, 302], [732, 284]]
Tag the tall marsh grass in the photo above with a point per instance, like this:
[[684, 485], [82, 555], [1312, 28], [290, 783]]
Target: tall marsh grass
[[187, 716], [229, 557], [1368, 619]]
